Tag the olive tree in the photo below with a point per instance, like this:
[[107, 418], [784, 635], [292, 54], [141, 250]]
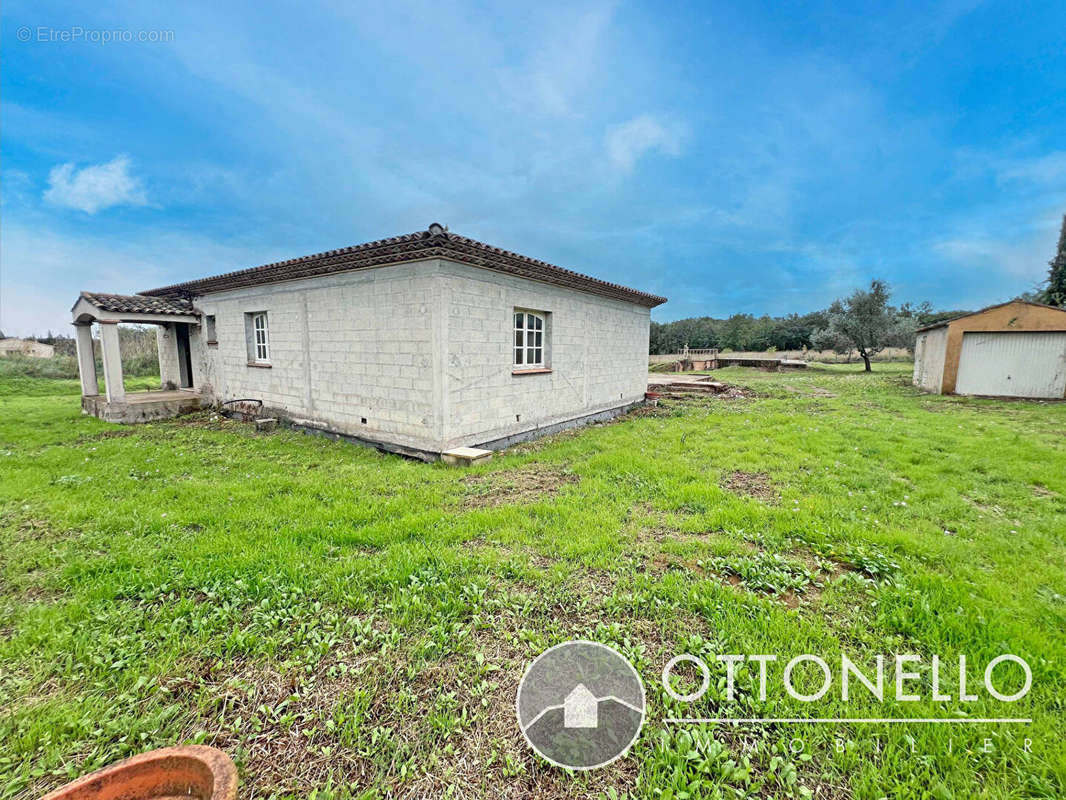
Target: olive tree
[[865, 322]]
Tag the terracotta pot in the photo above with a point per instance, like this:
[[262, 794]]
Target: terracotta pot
[[195, 772]]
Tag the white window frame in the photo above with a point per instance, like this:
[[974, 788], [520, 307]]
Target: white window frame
[[529, 343], [260, 338]]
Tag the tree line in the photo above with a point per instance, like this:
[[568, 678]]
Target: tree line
[[748, 332]]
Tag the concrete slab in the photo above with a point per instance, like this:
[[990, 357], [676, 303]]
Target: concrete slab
[[666, 384], [465, 456], [143, 406]]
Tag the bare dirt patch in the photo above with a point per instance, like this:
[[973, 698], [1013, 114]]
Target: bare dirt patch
[[688, 392], [526, 484], [121, 433], [19, 528], [810, 391], [751, 484], [647, 410]]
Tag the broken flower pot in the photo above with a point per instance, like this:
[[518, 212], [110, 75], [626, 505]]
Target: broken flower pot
[[195, 772]]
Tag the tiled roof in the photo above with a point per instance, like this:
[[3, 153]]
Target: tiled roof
[[433, 243], [139, 303]]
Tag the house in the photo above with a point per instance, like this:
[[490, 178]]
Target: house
[[26, 347], [417, 344], [1015, 349], [581, 709]]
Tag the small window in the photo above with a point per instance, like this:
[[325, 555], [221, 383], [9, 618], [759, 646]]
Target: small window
[[262, 345], [209, 329], [529, 330], [258, 331]]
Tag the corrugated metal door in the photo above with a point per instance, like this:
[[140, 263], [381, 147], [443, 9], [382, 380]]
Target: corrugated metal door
[[1023, 364]]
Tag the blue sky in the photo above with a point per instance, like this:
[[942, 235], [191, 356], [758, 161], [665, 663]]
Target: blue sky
[[760, 158]]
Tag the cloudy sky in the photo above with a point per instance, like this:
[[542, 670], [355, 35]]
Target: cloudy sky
[[747, 157]]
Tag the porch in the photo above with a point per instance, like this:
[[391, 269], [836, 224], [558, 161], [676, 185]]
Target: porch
[[178, 324]]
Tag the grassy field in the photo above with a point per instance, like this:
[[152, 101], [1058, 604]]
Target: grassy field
[[345, 623]]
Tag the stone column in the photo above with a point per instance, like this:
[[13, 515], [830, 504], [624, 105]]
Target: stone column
[[83, 337], [116, 393]]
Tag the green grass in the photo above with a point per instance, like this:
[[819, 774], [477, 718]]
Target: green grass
[[346, 623]]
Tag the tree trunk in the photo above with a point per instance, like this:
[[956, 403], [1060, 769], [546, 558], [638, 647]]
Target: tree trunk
[[866, 361]]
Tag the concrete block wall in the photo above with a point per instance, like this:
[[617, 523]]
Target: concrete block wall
[[424, 353], [343, 348], [166, 343], [929, 351], [597, 350]]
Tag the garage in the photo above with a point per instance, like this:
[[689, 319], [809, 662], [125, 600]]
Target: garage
[[1015, 349], [1012, 364]]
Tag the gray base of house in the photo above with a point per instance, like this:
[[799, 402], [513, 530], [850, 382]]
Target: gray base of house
[[319, 429], [499, 443], [557, 427], [151, 406], [143, 406]]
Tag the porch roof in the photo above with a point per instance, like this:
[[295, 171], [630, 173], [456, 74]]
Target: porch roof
[[132, 308]]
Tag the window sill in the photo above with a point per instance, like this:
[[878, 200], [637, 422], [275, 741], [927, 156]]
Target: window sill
[[536, 371], [259, 365]]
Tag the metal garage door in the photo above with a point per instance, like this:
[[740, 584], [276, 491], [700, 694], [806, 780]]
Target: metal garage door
[[1013, 364]]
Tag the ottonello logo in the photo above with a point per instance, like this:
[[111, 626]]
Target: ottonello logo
[[580, 705]]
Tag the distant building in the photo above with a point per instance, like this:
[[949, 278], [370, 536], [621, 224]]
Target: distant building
[[1015, 349], [417, 344], [26, 347]]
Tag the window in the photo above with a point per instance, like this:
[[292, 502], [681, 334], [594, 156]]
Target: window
[[262, 346], [529, 330], [258, 333], [209, 329]]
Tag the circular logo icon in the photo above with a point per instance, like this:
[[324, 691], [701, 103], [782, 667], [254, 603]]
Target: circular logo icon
[[580, 705]]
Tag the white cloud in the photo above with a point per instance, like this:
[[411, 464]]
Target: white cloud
[[45, 268], [1013, 257], [1048, 169], [96, 187], [627, 142]]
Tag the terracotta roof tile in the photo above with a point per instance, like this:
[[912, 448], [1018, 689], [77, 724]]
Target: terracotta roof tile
[[433, 243], [139, 303]]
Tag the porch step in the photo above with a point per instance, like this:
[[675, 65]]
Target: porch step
[[465, 456]]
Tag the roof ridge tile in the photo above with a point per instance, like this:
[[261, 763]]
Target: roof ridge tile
[[408, 247]]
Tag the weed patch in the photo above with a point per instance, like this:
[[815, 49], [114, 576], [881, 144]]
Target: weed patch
[[527, 484], [751, 484]]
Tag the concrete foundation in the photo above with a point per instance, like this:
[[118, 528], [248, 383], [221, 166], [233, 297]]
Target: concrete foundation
[[558, 427], [143, 406], [321, 429]]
